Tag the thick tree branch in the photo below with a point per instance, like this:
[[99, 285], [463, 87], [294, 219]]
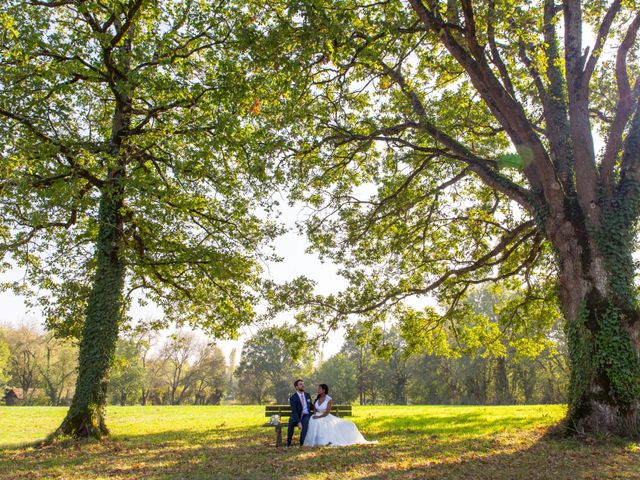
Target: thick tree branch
[[538, 167], [481, 167], [470, 30], [578, 91], [495, 53], [628, 190], [624, 106], [558, 130]]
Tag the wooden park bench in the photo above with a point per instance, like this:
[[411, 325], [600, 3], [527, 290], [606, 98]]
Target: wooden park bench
[[284, 411]]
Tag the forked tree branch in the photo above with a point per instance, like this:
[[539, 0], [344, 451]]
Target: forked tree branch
[[482, 167], [538, 167], [624, 106]]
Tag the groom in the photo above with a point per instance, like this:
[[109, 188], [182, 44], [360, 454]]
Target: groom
[[301, 409]]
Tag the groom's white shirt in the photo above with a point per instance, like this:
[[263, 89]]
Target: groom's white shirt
[[303, 400]]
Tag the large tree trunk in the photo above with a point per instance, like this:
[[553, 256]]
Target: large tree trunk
[[598, 297], [85, 417]]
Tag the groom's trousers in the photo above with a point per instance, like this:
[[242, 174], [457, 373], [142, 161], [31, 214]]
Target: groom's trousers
[[292, 424]]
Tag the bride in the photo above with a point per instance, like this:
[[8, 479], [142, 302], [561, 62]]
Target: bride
[[326, 429]]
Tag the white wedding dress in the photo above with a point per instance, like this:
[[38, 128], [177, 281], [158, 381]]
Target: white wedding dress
[[331, 430]]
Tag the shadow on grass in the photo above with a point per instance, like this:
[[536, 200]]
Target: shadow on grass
[[466, 447], [542, 460]]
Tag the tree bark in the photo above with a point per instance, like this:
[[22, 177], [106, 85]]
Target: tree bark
[[602, 323], [85, 417]]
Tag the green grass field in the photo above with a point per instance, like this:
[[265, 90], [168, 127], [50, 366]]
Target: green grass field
[[230, 443]]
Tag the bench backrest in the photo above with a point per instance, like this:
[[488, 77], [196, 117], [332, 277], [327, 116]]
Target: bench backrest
[[285, 410]]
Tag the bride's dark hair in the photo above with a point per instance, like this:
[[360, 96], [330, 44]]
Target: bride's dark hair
[[325, 387]]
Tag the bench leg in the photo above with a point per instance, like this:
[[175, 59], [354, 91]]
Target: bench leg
[[278, 435]]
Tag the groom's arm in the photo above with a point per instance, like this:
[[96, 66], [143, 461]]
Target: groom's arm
[[294, 414]]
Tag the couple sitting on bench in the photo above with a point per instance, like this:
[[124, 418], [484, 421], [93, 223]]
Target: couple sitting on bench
[[317, 426]]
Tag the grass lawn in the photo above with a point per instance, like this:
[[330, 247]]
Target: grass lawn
[[505, 442]]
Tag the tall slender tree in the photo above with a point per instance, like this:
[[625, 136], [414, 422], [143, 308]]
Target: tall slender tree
[[446, 144], [126, 127]]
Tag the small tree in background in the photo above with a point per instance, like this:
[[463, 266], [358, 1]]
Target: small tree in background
[[211, 379], [26, 348], [341, 374], [127, 373], [58, 369]]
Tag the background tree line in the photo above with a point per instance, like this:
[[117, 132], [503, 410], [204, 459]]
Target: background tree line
[[179, 369], [361, 373], [183, 369]]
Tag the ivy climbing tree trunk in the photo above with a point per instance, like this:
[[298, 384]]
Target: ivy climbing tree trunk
[[127, 169], [602, 336], [587, 207], [85, 417]]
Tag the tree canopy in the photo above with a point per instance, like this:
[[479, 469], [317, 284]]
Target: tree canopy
[[176, 74]]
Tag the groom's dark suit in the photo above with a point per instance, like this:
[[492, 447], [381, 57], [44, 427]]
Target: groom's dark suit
[[297, 416]]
